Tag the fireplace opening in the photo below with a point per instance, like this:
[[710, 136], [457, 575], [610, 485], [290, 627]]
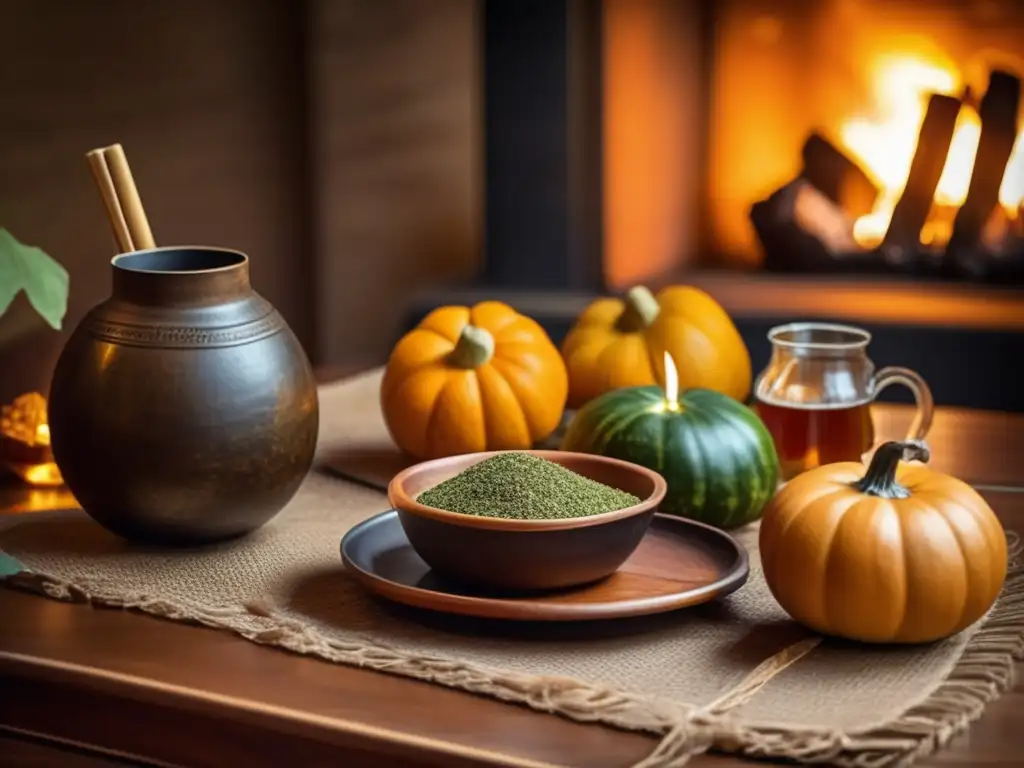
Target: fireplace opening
[[934, 188], [868, 136]]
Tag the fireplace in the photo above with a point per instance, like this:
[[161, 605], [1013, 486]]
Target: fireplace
[[911, 159], [847, 160], [640, 137]]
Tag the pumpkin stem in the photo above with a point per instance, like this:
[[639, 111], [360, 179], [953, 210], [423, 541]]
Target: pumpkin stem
[[880, 479], [641, 310], [474, 348]]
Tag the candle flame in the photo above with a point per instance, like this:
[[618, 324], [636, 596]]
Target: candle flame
[[671, 382], [41, 474]]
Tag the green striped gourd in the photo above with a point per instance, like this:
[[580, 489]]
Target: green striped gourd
[[715, 454]]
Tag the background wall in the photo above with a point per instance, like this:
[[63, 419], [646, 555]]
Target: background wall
[[654, 120], [396, 174], [331, 140]]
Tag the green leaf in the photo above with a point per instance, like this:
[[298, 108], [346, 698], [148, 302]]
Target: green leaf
[[27, 268], [9, 566]]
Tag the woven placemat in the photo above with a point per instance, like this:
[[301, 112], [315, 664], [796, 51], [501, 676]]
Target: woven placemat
[[736, 675]]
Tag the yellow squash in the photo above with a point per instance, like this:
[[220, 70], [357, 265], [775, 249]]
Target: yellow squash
[[897, 554], [621, 343], [473, 379]]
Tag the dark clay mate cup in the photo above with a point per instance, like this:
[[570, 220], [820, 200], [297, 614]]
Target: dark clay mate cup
[[182, 409]]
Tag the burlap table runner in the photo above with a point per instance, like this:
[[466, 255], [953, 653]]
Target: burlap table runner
[[736, 675]]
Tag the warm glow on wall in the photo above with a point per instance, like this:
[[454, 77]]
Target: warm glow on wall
[[652, 175]]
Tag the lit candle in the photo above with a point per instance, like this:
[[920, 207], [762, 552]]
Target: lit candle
[[671, 384], [40, 474], [25, 441]]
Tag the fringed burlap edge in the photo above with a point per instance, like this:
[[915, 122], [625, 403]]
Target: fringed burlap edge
[[983, 672]]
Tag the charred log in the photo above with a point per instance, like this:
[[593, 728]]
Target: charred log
[[838, 177], [974, 238], [998, 256], [903, 237], [801, 229]]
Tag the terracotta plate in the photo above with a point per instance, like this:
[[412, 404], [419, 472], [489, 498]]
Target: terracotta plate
[[678, 563]]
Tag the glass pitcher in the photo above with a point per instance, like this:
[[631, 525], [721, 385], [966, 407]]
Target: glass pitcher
[[815, 395]]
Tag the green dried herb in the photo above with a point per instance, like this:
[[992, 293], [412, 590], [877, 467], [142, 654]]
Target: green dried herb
[[524, 487]]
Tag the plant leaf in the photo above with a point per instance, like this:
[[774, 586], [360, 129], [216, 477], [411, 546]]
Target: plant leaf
[[30, 269], [9, 566]]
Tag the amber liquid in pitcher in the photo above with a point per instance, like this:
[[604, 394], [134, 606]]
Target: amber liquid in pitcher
[[809, 435]]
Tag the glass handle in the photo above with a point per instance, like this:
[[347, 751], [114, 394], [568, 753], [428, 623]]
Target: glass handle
[[922, 395]]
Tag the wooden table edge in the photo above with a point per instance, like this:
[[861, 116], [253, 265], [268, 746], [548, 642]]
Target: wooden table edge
[[336, 732]]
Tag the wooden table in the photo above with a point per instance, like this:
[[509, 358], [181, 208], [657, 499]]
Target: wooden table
[[84, 687]]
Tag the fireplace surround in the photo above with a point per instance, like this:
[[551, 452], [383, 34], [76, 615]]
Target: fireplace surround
[[744, 147]]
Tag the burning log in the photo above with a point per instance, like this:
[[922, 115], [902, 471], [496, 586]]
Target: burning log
[[972, 240], [802, 229], [903, 237], [998, 256], [998, 232], [838, 177]]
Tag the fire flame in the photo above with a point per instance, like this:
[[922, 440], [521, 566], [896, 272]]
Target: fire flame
[[885, 148]]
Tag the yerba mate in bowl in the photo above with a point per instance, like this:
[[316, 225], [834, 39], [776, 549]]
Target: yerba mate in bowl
[[505, 537], [520, 486]]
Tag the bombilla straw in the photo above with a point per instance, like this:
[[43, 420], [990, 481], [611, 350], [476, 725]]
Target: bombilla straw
[[116, 185]]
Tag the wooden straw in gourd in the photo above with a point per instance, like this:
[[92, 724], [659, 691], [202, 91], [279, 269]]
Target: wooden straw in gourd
[[128, 219]]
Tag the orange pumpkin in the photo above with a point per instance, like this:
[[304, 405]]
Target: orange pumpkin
[[468, 380], [619, 343], [897, 554]]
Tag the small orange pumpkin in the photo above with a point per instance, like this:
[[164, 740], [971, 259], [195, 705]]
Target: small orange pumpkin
[[897, 554], [618, 343], [473, 379]]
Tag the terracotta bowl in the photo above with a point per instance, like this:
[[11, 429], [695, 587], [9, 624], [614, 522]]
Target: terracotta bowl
[[526, 555]]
